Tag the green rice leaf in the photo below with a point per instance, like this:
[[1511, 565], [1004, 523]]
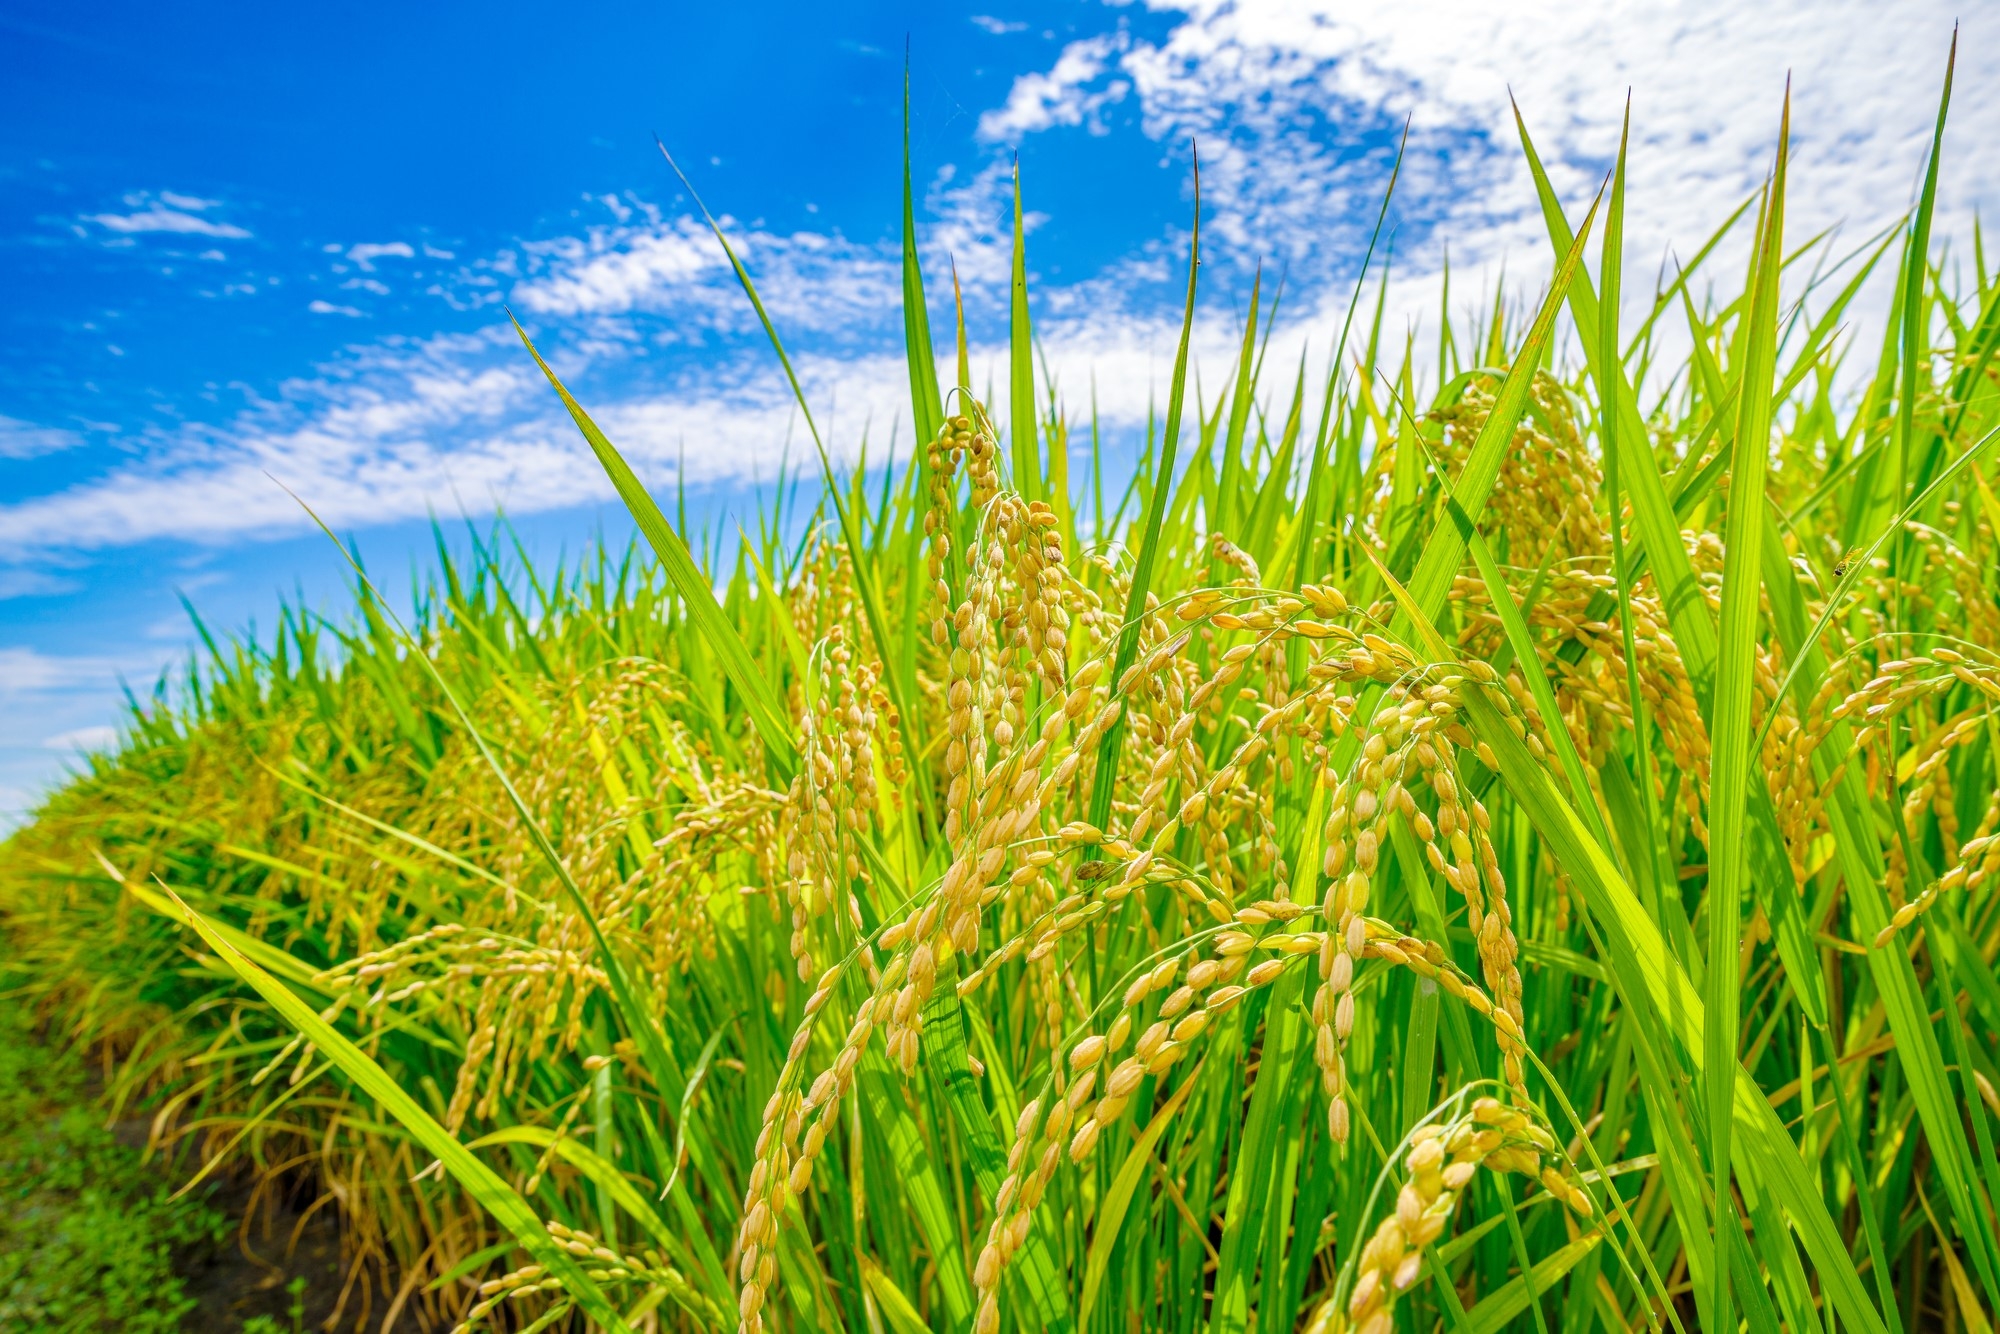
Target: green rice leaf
[[896, 1308], [1444, 552], [480, 1181], [926, 406], [1149, 537], [1742, 580], [899, 686], [1021, 366], [697, 593], [920, 1184], [1916, 272], [1111, 1210], [267, 956], [1495, 1311]]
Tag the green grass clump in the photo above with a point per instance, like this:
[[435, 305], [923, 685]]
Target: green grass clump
[[1507, 852], [89, 1232]]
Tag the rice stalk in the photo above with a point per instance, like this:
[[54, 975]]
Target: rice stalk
[[963, 917]]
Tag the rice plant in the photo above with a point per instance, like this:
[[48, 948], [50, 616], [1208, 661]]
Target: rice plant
[[1506, 853]]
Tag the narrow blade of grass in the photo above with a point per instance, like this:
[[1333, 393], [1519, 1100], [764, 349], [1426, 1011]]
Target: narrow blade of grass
[[1444, 552], [1149, 537], [480, 1181], [697, 593], [1021, 364], [926, 406], [900, 689], [1110, 1218], [1742, 580]]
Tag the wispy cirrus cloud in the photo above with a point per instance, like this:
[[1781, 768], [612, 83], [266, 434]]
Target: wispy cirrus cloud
[[32, 583], [618, 269], [1297, 108], [167, 212], [83, 740], [26, 440], [55, 704], [394, 433], [364, 255], [815, 285], [1075, 91], [27, 670]]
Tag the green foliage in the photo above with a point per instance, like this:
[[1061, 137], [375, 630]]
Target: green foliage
[[295, 1314], [1524, 861], [89, 1233]]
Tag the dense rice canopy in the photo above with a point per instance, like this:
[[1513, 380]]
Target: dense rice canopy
[[1388, 869]]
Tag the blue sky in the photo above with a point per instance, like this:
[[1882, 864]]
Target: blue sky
[[246, 242]]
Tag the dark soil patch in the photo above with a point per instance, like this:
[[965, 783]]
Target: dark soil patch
[[92, 1238], [252, 1272]]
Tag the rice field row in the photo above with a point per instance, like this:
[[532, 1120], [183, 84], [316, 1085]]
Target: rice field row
[[1511, 852]]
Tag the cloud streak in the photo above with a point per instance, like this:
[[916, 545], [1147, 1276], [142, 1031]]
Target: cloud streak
[[25, 440], [1297, 108], [1074, 92], [364, 255], [173, 213]]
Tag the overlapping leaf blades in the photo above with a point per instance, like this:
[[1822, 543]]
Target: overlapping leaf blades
[[1760, 1101]]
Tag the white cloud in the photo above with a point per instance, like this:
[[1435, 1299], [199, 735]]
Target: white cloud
[[318, 307], [998, 27], [811, 283], [27, 670], [15, 804], [367, 253], [84, 739], [396, 431], [55, 702], [613, 270], [1062, 96], [1280, 91], [25, 440], [30, 583], [1296, 107], [174, 213], [469, 419]]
